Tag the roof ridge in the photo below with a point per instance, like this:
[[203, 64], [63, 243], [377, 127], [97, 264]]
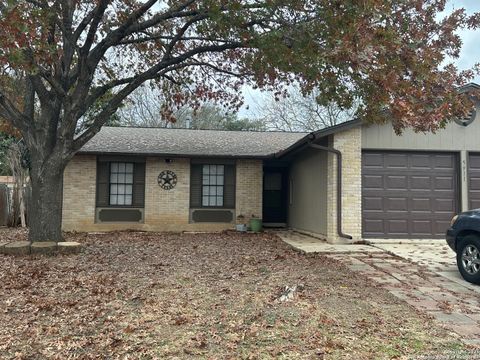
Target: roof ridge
[[216, 130]]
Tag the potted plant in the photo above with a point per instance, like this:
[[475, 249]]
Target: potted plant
[[241, 225], [255, 224]]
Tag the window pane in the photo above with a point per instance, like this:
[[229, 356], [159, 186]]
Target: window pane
[[205, 201], [212, 181], [121, 183]]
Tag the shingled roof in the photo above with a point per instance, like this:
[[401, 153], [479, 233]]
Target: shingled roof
[[190, 143]]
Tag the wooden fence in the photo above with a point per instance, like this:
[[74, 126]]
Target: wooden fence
[[4, 204], [9, 212]]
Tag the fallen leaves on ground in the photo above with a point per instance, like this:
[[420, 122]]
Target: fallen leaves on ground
[[134, 295]]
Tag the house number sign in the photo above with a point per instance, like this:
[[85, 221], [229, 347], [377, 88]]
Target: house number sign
[[167, 180]]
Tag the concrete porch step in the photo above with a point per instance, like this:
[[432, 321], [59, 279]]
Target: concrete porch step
[[310, 244]]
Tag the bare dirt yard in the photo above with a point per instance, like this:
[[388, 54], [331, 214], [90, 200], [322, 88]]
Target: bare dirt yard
[[134, 295]]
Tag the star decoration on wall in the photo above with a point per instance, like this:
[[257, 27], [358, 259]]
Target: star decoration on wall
[[167, 180]]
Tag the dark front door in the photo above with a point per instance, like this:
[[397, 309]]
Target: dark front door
[[275, 195]]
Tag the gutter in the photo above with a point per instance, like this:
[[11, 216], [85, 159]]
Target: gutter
[[338, 154], [308, 138]]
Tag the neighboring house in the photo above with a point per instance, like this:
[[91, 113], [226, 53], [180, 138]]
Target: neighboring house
[[8, 181], [6, 188], [393, 186]]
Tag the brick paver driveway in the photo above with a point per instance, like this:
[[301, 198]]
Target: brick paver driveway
[[454, 305], [434, 254], [422, 274]]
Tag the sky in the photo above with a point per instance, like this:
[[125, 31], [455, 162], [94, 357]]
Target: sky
[[470, 53], [469, 56]]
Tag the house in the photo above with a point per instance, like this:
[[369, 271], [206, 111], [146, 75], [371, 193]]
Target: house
[[390, 186], [7, 180]]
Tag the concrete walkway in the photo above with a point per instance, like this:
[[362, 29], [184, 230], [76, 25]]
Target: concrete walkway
[[424, 276], [309, 244]]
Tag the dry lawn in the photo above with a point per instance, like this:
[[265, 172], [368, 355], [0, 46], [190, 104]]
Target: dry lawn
[[134, 295]]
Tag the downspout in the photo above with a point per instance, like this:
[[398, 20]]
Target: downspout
[[338, 154]]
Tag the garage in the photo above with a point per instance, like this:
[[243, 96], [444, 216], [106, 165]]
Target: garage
[[474, 180], [409, 194]]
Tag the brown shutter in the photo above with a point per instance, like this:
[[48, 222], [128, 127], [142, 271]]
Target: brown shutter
[[229, 190], [103, 175], [138, 185], [196, 186]]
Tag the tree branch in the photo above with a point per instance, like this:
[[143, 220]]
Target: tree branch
[[29, 99], [95, 22], [9, 111], [155, 71], [181, 32]]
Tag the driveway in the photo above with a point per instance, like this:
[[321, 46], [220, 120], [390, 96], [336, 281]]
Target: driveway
[[433, 254], [422, 274]]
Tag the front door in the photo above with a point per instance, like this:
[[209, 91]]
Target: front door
[[275, 196]]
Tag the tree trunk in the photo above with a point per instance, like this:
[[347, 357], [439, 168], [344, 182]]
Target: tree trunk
[[45, 208]]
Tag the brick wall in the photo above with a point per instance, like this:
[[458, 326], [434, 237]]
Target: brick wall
[[165, 210], [249, 189], [349, 143], [79, 188]]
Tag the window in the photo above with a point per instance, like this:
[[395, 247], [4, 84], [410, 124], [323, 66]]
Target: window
[[121, 183], [213, 185]]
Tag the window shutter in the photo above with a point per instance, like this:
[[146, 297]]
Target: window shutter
[[103, 175], [195, 185], [229, 191], [138, 185]]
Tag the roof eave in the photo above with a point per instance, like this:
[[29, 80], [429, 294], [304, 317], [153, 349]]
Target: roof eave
[[172, 155], [319, 134], [468, 87]]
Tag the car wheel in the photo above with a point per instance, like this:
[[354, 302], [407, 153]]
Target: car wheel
[[468, 258]]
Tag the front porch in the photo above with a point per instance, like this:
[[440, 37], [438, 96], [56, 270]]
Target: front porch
[[300, 188]]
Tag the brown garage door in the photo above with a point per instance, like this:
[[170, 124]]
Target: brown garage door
[[474, 181], [408, 194]]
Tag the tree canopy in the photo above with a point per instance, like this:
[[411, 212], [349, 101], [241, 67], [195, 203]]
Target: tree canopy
[[387, 53]]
